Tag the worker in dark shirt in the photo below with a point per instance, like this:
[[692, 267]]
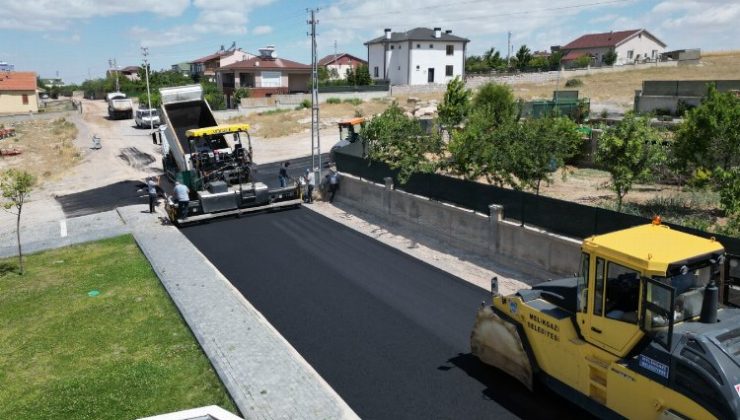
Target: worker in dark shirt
[[283, 174]]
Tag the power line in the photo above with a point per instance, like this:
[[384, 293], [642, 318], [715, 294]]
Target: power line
[[477, 16]]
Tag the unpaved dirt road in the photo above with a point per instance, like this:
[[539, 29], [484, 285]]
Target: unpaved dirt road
[[126, 158]]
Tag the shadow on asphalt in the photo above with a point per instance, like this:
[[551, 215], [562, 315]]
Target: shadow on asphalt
[[512, 394], [124, 193]]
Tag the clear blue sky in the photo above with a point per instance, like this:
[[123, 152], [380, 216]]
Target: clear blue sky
[[76, 40]]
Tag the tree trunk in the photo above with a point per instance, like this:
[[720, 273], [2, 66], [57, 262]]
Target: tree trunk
[[18, 236], [538, 186]]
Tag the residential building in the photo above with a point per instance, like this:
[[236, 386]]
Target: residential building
[[418, 56], [338, 64], [182, 68], [52, 82], [264, 75], [205, 67], [633, 46], [131, 73], [18, 93]]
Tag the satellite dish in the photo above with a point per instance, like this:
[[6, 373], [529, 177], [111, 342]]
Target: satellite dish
[[273, 54]]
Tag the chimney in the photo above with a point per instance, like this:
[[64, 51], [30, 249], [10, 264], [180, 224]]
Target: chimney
[[387, 33], [437, 32], [449, 31]]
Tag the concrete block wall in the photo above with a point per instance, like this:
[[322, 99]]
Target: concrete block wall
[[488, 236]]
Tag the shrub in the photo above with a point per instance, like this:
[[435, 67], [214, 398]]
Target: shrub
[[573, 83], [305, 104], [333, 101], [353, 101]]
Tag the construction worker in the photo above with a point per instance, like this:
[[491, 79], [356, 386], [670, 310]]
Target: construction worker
[[151, 185], [333, 183], [311, 181], [182, 195], [283, 174]]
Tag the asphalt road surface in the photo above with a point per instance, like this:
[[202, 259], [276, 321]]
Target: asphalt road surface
[[389, 333]]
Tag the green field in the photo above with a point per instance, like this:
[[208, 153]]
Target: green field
[[122, 354]]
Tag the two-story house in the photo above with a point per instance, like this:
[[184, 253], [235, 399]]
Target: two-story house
[[264, 75], [418, 56], [636, 45], [338, 64], [205, 67]]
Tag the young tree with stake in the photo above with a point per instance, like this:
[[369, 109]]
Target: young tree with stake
[[16, 185]]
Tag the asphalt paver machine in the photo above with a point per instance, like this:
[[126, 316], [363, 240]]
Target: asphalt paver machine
[[213, 161]]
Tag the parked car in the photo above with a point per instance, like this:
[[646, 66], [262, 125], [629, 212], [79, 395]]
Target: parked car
[[146, 118]]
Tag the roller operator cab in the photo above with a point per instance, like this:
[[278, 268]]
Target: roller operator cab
[[640, 333], [349, 133]]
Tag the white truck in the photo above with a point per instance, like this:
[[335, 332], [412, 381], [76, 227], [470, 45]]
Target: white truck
[[119, 106]]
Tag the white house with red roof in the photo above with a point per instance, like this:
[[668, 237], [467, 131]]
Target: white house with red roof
[[18, 92], [633, 46], [264, 75], [338, 64]]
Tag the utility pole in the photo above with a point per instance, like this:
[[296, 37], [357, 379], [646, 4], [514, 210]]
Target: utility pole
[[335, 57], [145, 53], [315, 137], [114, 67], [508, 51]]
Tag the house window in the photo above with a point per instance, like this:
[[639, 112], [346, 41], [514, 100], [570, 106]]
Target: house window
[[448, 70], [450, 50], [399, 67], [393, 47], [375, 71], [417, 67], [24, 98], [431, 45], [654, 53], [400, 46], [418, 45], [630, 54]]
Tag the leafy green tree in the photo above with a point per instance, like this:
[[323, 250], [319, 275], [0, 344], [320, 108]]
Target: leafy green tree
[[240, 94], [323, 74], [400, 141], [523, 57], [628, 151], [497, 103], [538, 147], [214, 97], [610, 57], [583, 61], [709, 136], [539, 62], [156, 99], [455, 105], [362, 76], [16, 185], [350, 77], [554, 60], [493, 58], [479, 150]]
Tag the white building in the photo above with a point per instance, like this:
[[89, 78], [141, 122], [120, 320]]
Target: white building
[[416, 57], [633, 46]]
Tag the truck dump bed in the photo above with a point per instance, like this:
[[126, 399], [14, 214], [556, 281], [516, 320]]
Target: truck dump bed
[[184, 116]]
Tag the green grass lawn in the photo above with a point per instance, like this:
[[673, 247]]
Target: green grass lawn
[[123, 354]]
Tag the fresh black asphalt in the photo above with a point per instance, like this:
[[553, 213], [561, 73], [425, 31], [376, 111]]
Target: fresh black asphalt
[[389, 333]]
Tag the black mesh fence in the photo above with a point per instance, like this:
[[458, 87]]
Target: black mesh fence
[[558, 216]]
